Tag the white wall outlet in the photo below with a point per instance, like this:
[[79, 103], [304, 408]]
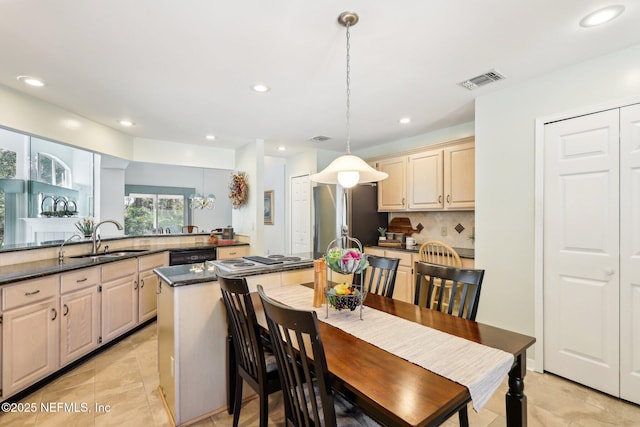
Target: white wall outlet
[[443, 231]]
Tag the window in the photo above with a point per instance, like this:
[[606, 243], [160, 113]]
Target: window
[[54, 171], [146, 213]]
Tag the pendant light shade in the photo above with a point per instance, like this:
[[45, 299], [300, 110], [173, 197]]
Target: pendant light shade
[[348, 170]]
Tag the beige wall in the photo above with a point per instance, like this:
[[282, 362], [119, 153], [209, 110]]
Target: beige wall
[[505, 176]]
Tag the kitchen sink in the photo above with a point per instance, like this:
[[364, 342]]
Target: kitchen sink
[[109, 255]]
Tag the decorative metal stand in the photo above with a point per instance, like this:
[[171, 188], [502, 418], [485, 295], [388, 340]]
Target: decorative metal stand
[[341, 258]]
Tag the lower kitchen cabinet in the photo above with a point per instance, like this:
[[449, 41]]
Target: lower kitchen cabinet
[[80, 313], [403, 289], [232, 252], [148, 284], [31, 332], [119, 298]]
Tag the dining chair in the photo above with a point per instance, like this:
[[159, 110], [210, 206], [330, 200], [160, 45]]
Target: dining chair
[[437, 252], [380, 276], [253, 364], [308, 397], [453, 290]]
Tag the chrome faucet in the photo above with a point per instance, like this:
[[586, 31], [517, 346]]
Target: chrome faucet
[[60, 252], [95, 239]]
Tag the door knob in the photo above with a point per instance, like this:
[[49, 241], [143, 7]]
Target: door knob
[[609, 271]]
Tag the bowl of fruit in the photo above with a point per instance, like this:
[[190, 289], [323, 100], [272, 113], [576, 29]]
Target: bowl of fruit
[[344, 295], [346, 260]]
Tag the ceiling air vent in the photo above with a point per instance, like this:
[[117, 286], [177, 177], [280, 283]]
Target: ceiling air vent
[[482, 79], [320, 138]]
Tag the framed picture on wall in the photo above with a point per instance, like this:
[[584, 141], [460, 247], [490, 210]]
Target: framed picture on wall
[[268, 207]]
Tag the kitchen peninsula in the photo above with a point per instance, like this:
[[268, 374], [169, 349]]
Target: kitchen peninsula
[[192, 330]]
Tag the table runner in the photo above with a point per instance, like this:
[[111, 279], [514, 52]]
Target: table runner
[[476, 366]]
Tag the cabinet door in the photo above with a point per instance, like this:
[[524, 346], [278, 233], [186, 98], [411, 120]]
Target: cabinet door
[[459, 176], [79, 327], [403, 289], [426, 180], [147, 300], [30, 342], [232, 252], [119, 306], [392, 192]]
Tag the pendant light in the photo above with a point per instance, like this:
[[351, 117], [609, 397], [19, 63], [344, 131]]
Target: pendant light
[[199, 201], [348, 170]]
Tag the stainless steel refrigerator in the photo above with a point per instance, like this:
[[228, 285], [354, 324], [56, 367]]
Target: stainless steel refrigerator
[[357, 208]]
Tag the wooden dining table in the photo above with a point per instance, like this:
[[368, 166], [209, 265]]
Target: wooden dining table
[[396, 392]]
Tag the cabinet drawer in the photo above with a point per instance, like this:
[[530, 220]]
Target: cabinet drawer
[[149, 262], [405, 257], [79, 279], [232, 252], [29, 292], [116, 270]]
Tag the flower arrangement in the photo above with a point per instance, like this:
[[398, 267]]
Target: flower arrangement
[[239, 189], [346, 261], [85, 226]]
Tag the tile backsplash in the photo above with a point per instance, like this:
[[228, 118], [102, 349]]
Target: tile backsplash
[[434, 222]]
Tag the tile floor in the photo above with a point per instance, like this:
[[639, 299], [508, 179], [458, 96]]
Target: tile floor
[[124, 377]]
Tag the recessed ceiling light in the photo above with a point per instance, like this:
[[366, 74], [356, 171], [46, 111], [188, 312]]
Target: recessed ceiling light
[[126, 123], [405, 120], [260, 87], [31, 81], [282, 148], [602, 16], [210, 137]]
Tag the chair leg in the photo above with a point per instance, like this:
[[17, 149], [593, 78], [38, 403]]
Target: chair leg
[[463, 416], [237, 401], [264, 408]]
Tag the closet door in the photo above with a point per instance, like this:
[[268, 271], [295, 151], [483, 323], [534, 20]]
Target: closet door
[[630, 253], [581, 250]]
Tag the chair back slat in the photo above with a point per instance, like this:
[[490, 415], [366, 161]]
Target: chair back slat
[[380, 276], [453, 290], [243, 327], [296, 341]]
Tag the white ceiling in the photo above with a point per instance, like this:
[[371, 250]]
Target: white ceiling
[[182, 69]]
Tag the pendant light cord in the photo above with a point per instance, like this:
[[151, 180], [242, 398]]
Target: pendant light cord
[[348, 24]]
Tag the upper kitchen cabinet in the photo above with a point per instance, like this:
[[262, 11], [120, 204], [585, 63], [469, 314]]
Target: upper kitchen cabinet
[[441, 177], [392, 192]]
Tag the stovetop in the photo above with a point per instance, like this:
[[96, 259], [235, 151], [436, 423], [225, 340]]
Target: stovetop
[[258, 263]]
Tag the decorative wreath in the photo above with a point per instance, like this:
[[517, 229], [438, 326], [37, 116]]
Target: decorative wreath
[[239, 189]]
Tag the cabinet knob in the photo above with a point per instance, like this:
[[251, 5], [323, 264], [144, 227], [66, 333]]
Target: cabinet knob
[[37, 291], [141, 283], [135, 287], [55, 314], [66, 310], [609, 271], [440, 198], [449, 198]]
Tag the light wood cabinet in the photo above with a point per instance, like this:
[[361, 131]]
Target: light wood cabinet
[[30, 332], [425, 178], [119, 298], [231, 252], [80, 309], [148, 284], [459, 176], [438, 178], [392, 192], [403, 288]]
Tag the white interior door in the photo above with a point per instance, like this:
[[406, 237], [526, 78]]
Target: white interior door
[[581, 250], [630, 253], [300, 214]]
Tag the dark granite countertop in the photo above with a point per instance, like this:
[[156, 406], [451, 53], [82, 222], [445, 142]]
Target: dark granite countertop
[[35, 269], [463, 252], [182, 275]]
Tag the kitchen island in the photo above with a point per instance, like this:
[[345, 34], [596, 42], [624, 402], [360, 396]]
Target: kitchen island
[[192, 334]]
